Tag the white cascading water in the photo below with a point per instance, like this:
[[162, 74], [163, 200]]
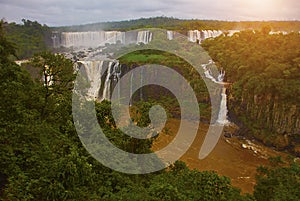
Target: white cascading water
[[221, 76], [222, 116], [100, 38], [93, 71], [144, 37], [112, 37], [107, 83], [208, 73], [170, 35], [196, 35], [192, 35], [90, 39], [118, 72]]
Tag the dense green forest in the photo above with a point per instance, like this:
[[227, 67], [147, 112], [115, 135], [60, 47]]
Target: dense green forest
[[42, 157], [163, 97], [265, 74], [28, 38]]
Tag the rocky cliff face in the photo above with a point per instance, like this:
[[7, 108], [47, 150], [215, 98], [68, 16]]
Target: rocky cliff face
[[268, 119]]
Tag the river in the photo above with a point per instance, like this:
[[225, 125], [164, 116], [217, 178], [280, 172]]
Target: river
[[235, 158]]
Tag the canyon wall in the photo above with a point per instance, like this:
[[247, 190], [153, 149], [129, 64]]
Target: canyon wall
[[268, 119]]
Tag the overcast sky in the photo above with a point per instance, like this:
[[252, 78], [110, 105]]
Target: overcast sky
[[73, 12]]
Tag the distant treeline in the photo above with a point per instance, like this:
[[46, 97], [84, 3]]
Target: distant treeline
[[183, 25]]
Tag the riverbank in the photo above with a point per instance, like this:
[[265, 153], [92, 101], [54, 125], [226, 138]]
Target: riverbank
[[234, 157]]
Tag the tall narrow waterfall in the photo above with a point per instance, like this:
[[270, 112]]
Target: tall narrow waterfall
[[222, 116], [107, 83], [118, 77], [170, 35], [100, 38]]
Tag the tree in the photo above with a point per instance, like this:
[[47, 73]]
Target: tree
[[7, 49], [278, 183], [30, 38], [58, 74]]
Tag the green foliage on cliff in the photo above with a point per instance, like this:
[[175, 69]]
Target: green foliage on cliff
[[265, 72], [164, 97], [261, 63], [278, 182], [29, 38]]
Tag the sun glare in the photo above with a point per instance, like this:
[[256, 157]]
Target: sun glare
[[262, 9]]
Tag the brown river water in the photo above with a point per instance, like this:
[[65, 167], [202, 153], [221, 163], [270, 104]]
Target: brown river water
[[233, 157]]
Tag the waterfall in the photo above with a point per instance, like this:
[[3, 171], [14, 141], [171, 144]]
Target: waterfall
[[170, 35], [54, 41], [192, 35], [91, 39], [208, 74], [112, 37], [222, 116], [93, 71], [221, 76], [118, 72], [107, 83], [144, 37], [196, 35], [100, 38]]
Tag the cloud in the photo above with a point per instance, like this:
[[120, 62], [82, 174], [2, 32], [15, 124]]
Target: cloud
[[68, 12]]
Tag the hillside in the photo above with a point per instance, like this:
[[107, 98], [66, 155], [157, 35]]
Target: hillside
[[265, 72]]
